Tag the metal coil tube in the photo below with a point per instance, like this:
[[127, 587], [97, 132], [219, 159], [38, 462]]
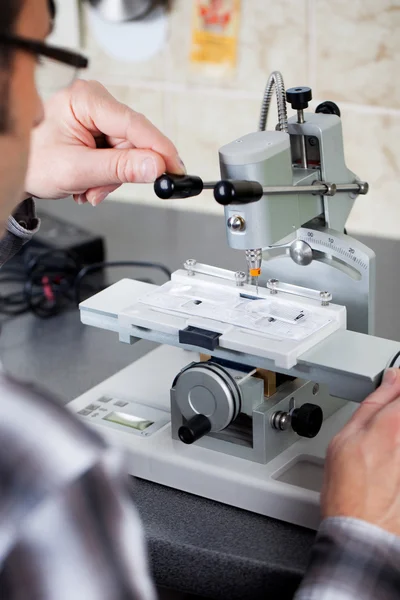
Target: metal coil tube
[[275, 80]]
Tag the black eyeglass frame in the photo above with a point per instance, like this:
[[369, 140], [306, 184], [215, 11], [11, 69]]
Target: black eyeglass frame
[[61, 55]]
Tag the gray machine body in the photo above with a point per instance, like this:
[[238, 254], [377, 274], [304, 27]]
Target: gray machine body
[[241, 425], [340, 264], [271, 158], [335, 263]]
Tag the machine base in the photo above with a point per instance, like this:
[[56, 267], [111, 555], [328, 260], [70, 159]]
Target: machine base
[[286, 488]]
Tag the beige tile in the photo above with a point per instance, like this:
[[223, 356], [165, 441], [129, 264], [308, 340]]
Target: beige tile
[[110, 71], [199, 123], [148, 102], [272, 36], [358, 51], [371, 143]]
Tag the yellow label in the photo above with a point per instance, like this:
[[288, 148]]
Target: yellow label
[[215, 32]]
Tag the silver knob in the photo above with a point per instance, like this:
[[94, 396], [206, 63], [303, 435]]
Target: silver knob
[[301, 252], [236, 223], [325, 298], [281, 420], [189, 265], [272, 284], [240, 277]]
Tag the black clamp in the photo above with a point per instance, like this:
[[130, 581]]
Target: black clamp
[[202, 338]]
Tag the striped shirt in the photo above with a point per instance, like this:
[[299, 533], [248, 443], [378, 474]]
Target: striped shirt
[[352, 560], [68, 528]]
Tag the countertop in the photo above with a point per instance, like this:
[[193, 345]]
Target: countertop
[[196, 545]]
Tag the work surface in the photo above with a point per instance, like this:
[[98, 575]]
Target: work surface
[[196, 545]]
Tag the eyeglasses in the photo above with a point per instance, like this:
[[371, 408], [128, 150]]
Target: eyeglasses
[[57, 67]]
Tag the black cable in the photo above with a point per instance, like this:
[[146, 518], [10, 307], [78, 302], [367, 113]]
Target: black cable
[[98, 266], [50, 282]]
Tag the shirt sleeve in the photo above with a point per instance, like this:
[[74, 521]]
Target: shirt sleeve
[[352, 559], [83, 543], [20, 228]]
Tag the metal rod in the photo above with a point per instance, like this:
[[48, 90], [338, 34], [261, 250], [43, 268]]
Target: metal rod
[[319, 188], [209, 185], [303, 149]]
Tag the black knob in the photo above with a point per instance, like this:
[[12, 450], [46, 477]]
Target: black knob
[[177, 186], [328, 108], [194, 429], [299, 97], [307, 420], [237, 192]]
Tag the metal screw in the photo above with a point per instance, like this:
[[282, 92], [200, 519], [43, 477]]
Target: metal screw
[[273, 283], [189, 264], [315, 389], [240, 277], [280, 420], [236, 223], [312, 141], [325, 297], [363, 187], [330, 189]]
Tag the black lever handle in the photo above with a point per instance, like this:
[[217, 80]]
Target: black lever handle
[[230, 191], [178, 186], [194, 429]]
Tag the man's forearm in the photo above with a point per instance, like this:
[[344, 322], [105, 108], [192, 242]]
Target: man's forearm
[[352, 560]]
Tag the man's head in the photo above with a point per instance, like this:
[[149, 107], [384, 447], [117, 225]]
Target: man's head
[[20, 106]]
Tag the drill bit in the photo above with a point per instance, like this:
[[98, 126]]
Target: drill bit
[[254, 259]]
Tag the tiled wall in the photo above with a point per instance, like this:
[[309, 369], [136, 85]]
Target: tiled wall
[[348, 52]]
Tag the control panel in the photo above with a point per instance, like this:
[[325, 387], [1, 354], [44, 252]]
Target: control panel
[[125, 415]]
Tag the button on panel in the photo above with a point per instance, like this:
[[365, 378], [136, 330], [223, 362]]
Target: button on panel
[[84, 412]]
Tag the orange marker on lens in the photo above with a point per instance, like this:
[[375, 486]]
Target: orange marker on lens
[[255, 272]]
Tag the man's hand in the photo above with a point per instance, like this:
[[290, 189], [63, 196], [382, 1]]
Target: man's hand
[[89, 144], [362, 474]]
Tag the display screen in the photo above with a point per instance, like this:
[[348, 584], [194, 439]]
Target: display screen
[[128, 421]]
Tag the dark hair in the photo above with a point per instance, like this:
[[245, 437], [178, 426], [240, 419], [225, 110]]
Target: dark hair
[[9, 11], [52, 8]]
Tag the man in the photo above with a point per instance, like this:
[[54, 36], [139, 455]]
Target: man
[[68, 529]]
